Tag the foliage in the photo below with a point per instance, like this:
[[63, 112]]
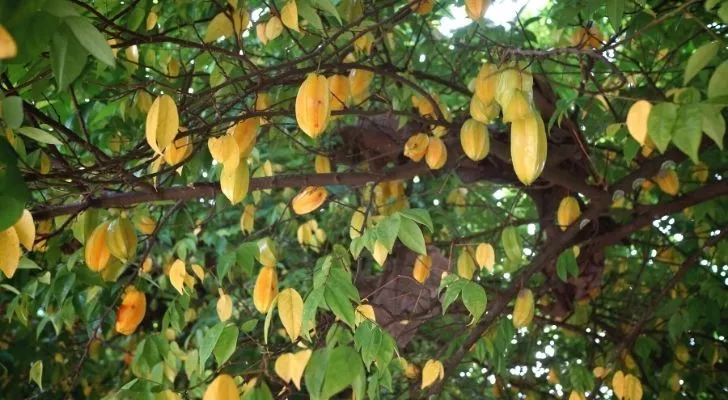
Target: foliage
[[228, 199]]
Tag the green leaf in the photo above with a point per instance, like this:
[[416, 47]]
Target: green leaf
[[310, 305], [328, 7], [411, 236], [386, 231], [511, 243], [420, 216], [356, 246], [339, 304], [39, 135], [630, 148], [713, 123], [615, 11], [13, 192], [249, 325], [718, 84], [68, 57], [315, 372], [699, 59], [226, 344], [36, 373], [660, 124], [91, 39], [723, 12], [209, 341], [474, 299], [688, 132], [12, 111], [566, 264], [344, 366], [268, 319], [309, 14]]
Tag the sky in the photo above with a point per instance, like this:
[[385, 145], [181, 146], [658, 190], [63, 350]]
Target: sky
[[501, 12]]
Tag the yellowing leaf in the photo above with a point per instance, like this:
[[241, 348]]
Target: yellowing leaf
[[224, 306], [9, 252], [290, 311], [273, 28], [289, 366], [25, 229], [198, 271], [177, 275], [637, 120], [364, 312], [234, 182], [222, 388], [431, 372], [224, 150], [289, 15], [162, 123], [221, 25], [485, 256], [632, 388]]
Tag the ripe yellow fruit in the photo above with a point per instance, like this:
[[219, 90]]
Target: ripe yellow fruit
[[162, 123], [466, 265], [422, 268], [340, 92], [486, 83], [585, 38], [485, 256], [476, 9], [247, 219], [121, 239], [568, 212], [321, 164], [416, 146], [262, 103], [483, 112], [475, 140], [260, 32], [289, 15], [131, 311], [8, 48], [510, 78], [313, 105], [524, 309], [234, 182], [364, 43], [574, 395], [359, 81], [356, 226], [266, 289], [436, 156], [637, 120], [422, 7], [178, 151], [266, 252], [224, 306], [96, 250], [25, 228], [273, 28], [222, 388], [309, 199], [432, 372], [528, 147], [244, 133], [518, 106], [9, 251], [668, 182], [146, 225]]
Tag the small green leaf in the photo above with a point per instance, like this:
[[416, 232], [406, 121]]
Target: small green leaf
[[411, 236], [660, 124], [209, 341], [699, 59], [615, 11], [268, 319], [12, 112], [713, 123], [328, 7], [339, 304], [249, 325], [688, 132], [718, 84], [420, 216], [343, 367], [39, 135], [91, 39], [68, 57], [226, 344], [386, 231], [309, 14], [474, 299], [36, 373]]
